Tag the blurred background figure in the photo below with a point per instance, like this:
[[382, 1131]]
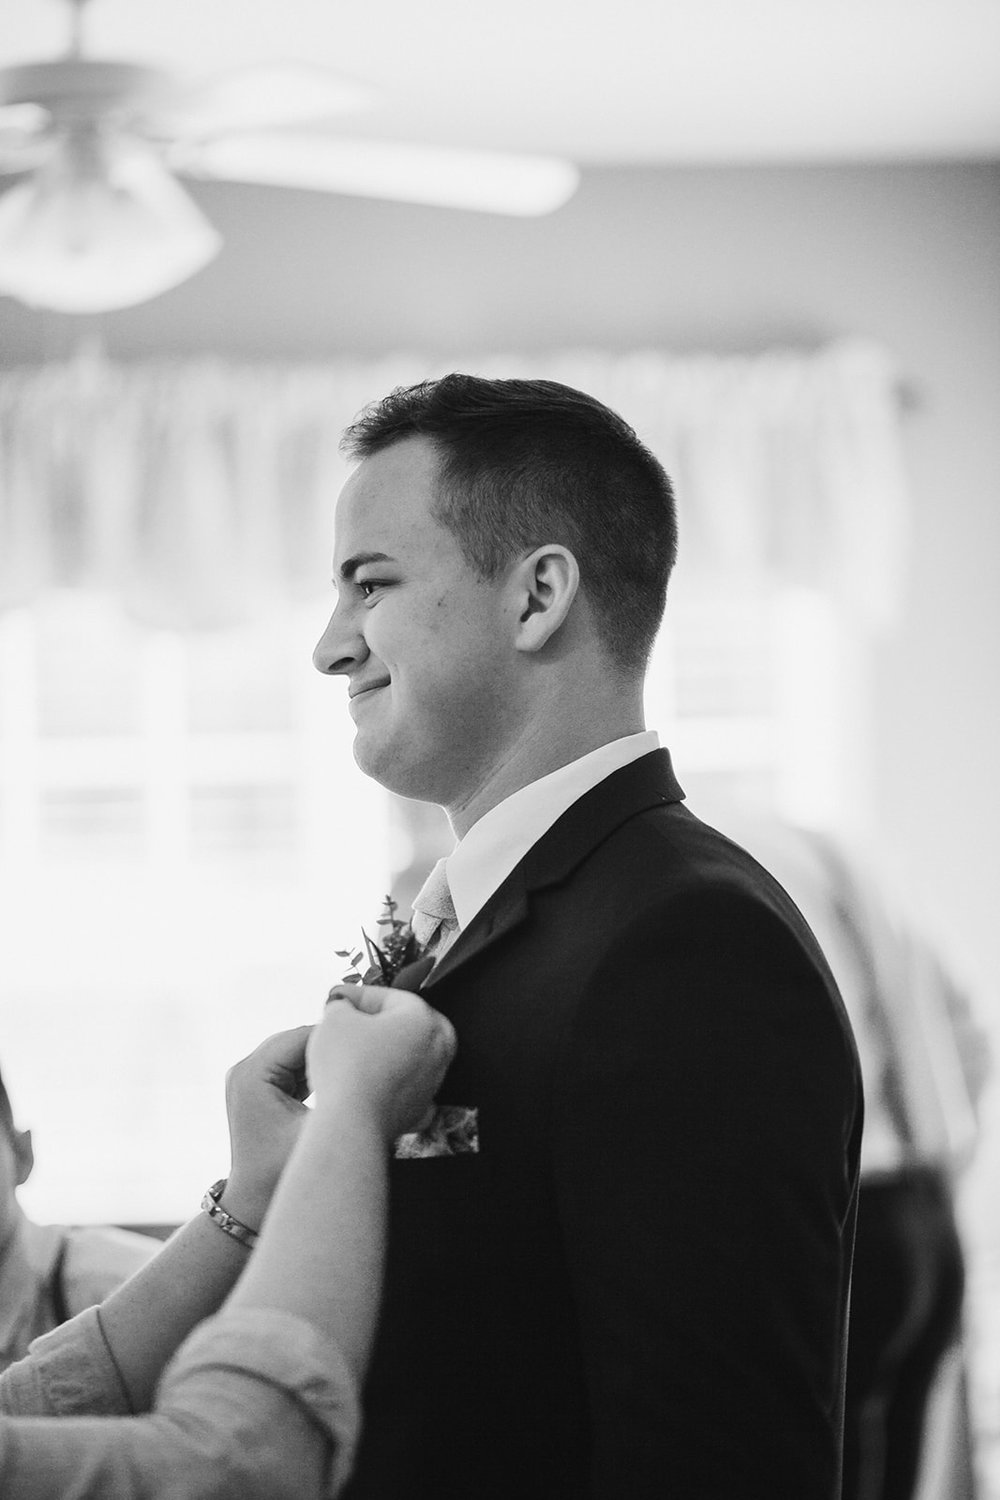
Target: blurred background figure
[[49, 1272], [924, 1061]]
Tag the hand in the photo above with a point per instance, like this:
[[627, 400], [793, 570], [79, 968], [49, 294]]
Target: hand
[[386, 1047], [264, 1095]]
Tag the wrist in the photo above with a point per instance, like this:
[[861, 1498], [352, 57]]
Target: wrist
[[245, 1200], [349, 1110]]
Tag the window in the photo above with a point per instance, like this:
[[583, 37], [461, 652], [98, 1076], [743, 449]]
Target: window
[[185, 842], [752, 691]]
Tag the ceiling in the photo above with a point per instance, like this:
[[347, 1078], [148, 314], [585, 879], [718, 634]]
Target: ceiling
[[618, 81]]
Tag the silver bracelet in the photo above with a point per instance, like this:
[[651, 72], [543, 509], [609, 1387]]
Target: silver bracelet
[[210, 1203]]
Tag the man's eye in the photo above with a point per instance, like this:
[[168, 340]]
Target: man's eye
[[367, 586]]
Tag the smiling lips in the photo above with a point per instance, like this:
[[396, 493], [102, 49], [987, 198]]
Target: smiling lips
[[370, 687]]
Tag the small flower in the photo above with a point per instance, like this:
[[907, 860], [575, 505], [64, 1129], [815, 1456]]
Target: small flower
[[397, 948], [454, 1129]]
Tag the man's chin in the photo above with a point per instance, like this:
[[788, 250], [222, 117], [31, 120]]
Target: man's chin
[[379, 763], [376, 761]]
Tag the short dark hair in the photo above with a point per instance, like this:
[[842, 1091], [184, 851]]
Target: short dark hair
[[524, 462]]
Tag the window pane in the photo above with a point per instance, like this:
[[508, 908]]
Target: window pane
[[230, 821], [86, 823], [239, 681], [89, 669], [185, 841], [722, 658]]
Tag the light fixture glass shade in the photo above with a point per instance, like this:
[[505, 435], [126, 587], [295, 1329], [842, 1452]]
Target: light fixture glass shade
[[100, 225]]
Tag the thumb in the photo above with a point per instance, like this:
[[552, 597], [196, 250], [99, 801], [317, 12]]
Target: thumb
[[367, 997]]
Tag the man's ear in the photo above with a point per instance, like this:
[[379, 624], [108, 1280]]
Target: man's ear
[[545, 585], [24, 1155]]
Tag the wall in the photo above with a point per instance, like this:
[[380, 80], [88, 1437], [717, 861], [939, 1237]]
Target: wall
[[689, 258]]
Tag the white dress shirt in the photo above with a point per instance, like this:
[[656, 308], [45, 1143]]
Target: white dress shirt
[[481, 862]]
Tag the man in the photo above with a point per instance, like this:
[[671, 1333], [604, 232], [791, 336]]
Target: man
[[48, 1273], [637, 1285]]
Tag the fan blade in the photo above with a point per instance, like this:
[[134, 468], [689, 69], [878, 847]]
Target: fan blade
[[493, 182], [24, 137], [83, 88], [249, 99]]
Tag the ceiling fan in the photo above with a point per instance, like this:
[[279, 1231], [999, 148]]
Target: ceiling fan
[[98, 218]]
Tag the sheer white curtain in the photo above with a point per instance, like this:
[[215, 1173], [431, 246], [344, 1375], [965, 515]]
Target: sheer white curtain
[[199, 492]]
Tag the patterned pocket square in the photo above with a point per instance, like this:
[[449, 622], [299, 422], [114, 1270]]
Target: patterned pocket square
[[454, 1131]]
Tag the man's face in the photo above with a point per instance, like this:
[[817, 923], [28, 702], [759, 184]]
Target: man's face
[[15, 1168], [424, 642]]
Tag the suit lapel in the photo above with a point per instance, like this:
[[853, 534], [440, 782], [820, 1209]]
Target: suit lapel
[[644, 783]]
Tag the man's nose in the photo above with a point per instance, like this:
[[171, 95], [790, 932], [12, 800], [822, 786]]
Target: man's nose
[[339, 649]]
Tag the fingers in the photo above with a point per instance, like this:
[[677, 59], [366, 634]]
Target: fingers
[[367, 997], [395, 1013], [387, 1048], [285, 1048], [371, 998], [375, 1000]]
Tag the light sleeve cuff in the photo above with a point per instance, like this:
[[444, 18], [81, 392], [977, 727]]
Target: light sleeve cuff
[[285, 1351], [68, 1372]]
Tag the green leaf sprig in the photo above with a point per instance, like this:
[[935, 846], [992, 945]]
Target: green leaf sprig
[[398, 947]]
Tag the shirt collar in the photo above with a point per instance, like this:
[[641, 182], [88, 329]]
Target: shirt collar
[[501, 838]]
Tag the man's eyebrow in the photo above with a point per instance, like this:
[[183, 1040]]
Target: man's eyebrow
[[352, 564]]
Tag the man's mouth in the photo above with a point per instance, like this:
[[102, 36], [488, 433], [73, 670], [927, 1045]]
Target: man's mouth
[[369, 687]]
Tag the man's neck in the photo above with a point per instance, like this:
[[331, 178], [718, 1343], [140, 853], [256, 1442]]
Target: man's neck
[[539, 750]]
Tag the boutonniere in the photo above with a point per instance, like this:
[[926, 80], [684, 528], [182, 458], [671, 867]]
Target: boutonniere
[[396, 948], [454, 1129]]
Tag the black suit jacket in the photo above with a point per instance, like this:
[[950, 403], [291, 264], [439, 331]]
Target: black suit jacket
[[638, 1286]]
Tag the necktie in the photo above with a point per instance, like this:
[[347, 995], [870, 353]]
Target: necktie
[[435, 924]]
